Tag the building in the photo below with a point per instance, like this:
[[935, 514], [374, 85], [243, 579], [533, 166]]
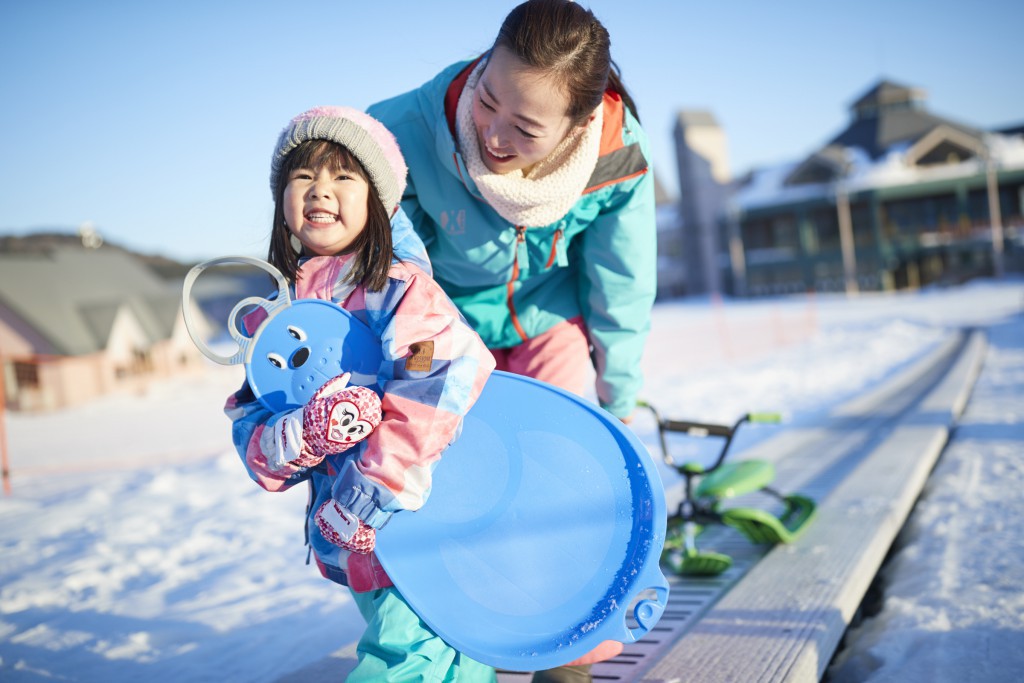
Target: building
[[900, 198], [702, 160], [671, 267], [669, 220], [76, 323]]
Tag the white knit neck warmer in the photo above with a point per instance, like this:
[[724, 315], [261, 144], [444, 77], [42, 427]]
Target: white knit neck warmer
[[553, 185]]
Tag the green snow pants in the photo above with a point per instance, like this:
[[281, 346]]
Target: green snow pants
[[397, 646]]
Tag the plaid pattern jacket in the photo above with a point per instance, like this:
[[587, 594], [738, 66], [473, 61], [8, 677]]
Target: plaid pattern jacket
[[422, 409]]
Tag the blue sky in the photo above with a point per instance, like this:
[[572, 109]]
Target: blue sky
[[156, 120]]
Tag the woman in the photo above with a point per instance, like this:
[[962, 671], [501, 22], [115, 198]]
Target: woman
[[530, 183]]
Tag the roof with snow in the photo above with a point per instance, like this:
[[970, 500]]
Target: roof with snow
[[892, 139], [890, 114], [71, 296]]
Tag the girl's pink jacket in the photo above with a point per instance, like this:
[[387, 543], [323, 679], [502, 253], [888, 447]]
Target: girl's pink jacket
[[391, 470]]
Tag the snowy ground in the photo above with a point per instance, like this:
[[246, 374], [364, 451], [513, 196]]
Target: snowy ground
[[134, 547], [954, 588]]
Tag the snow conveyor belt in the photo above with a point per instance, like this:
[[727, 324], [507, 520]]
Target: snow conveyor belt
[[779, 613]]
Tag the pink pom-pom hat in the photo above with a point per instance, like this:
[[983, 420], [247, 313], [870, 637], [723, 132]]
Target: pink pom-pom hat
[[364, 136]]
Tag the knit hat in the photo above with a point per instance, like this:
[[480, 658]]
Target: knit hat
[[361, 134]]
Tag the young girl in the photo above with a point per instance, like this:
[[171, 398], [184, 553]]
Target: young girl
[[530, 185], [337, 176]]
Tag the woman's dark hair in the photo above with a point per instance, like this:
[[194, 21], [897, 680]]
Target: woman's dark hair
[[373, 248], [562, 37]]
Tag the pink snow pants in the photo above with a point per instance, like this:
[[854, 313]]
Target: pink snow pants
[[560, 356]]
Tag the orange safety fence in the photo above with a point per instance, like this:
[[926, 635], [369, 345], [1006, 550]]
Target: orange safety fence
[[76, 380], [742, 337], [4, 459]]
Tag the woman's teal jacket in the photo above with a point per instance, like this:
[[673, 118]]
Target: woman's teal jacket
[[514, 283]]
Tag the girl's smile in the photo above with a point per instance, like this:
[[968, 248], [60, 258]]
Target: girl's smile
[[321, 217], [325, 209]]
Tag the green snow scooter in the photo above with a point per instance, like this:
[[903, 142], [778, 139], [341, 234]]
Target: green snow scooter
[[702, 502]]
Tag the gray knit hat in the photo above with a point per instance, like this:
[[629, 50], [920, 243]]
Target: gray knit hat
[[361, 134]]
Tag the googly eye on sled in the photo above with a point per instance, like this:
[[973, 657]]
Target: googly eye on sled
[[289, 347]]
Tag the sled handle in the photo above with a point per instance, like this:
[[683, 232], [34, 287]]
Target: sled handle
[[704, 429], [646, 613], [270, 306]]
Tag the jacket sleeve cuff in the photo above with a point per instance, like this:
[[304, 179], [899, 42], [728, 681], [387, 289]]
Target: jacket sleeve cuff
[[282, 442], [620, 409], [361, 496]]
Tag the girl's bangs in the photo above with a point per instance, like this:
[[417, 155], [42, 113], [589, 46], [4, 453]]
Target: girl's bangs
[[316, 154]]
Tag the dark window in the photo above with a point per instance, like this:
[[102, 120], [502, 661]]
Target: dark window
[[26, 375], [921, 214]]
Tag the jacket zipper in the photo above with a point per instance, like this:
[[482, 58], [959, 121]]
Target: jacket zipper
[[553, 257], [305, 520], [520, 246], [554, 249]]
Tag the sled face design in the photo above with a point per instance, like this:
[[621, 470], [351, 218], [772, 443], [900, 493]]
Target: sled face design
[[302, 346], [289, 348]]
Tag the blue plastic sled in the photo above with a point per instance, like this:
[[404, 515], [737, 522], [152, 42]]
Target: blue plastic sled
[[544, 525], [543, 531]]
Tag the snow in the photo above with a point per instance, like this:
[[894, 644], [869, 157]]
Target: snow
[[134, 547], [954, 605]]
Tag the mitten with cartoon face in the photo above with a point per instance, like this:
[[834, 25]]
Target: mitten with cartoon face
[[342, 528], [335, 419]]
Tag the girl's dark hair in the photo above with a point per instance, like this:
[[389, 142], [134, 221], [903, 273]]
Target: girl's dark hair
[[372, 248], [562, 37]]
